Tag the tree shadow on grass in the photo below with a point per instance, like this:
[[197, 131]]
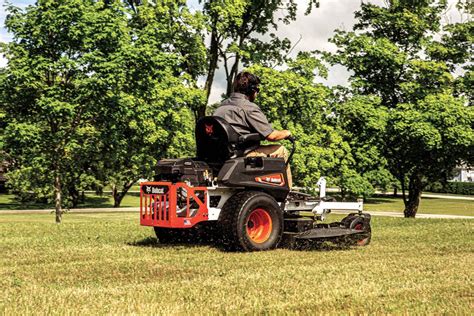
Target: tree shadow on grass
[[380, 200], [95, 201], [11, 202]]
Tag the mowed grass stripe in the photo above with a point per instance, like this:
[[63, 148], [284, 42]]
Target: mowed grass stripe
[[107, 263]]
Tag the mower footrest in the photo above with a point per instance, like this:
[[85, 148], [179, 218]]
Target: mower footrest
[[327, 232]]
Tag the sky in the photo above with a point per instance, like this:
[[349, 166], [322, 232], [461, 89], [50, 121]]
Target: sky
[[314, 29]]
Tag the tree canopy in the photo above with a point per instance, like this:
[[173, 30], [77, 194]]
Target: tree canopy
[[60, 66], [393, 54], [93, 95], [96, 91]]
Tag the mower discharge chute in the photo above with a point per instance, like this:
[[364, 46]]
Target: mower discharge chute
[[244, 201]]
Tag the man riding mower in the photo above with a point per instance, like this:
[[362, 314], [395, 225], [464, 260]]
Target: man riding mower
[[242, 188]]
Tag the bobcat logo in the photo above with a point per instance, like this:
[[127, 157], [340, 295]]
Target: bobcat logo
[[209, 129]]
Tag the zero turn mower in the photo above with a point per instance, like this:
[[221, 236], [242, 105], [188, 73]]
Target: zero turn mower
[[246, 200]]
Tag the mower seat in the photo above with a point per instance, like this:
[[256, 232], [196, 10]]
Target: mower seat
[[217, 141]]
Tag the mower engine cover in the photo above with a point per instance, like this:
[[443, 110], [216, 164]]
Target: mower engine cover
[[197, 173]]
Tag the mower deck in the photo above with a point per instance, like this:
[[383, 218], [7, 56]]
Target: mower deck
[[330, 232]]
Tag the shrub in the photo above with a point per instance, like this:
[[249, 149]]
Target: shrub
[[465, 188]]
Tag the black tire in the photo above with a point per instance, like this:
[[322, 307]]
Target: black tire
[[359, 223], [346, 221], [251, 221]]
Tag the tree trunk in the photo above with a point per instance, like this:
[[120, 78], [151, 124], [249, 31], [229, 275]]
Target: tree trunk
[[232, 75], [213, 60], [57, 191], [118, 199], [415, 188], [401, 178], [234, 70], [74, 196], [395, 191], [99, 191], [118, 196], [343, 194]]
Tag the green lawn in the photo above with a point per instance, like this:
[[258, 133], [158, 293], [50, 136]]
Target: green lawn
[[107, 263], [427, 205], [449, 194], [8, 202]]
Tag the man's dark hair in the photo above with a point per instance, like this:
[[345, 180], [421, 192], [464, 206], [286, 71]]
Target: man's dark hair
[[246, 83]]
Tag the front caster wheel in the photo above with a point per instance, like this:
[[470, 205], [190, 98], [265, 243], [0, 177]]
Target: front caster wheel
[[360, 223]]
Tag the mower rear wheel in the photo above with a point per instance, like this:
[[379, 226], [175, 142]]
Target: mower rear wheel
[[251, 221]]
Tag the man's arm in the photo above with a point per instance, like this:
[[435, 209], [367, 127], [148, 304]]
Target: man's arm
[[278, 135], [259, 122]]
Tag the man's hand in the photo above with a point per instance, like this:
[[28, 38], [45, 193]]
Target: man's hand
[[278, 135]]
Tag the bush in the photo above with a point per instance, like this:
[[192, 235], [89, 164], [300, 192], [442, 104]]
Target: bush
[[465, 188]]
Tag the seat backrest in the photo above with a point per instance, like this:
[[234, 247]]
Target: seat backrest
[[216, 140]]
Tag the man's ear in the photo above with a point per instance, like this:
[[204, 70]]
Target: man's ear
[[253, 96]]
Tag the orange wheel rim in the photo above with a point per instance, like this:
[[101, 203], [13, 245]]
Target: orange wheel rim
[[259, 226]]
